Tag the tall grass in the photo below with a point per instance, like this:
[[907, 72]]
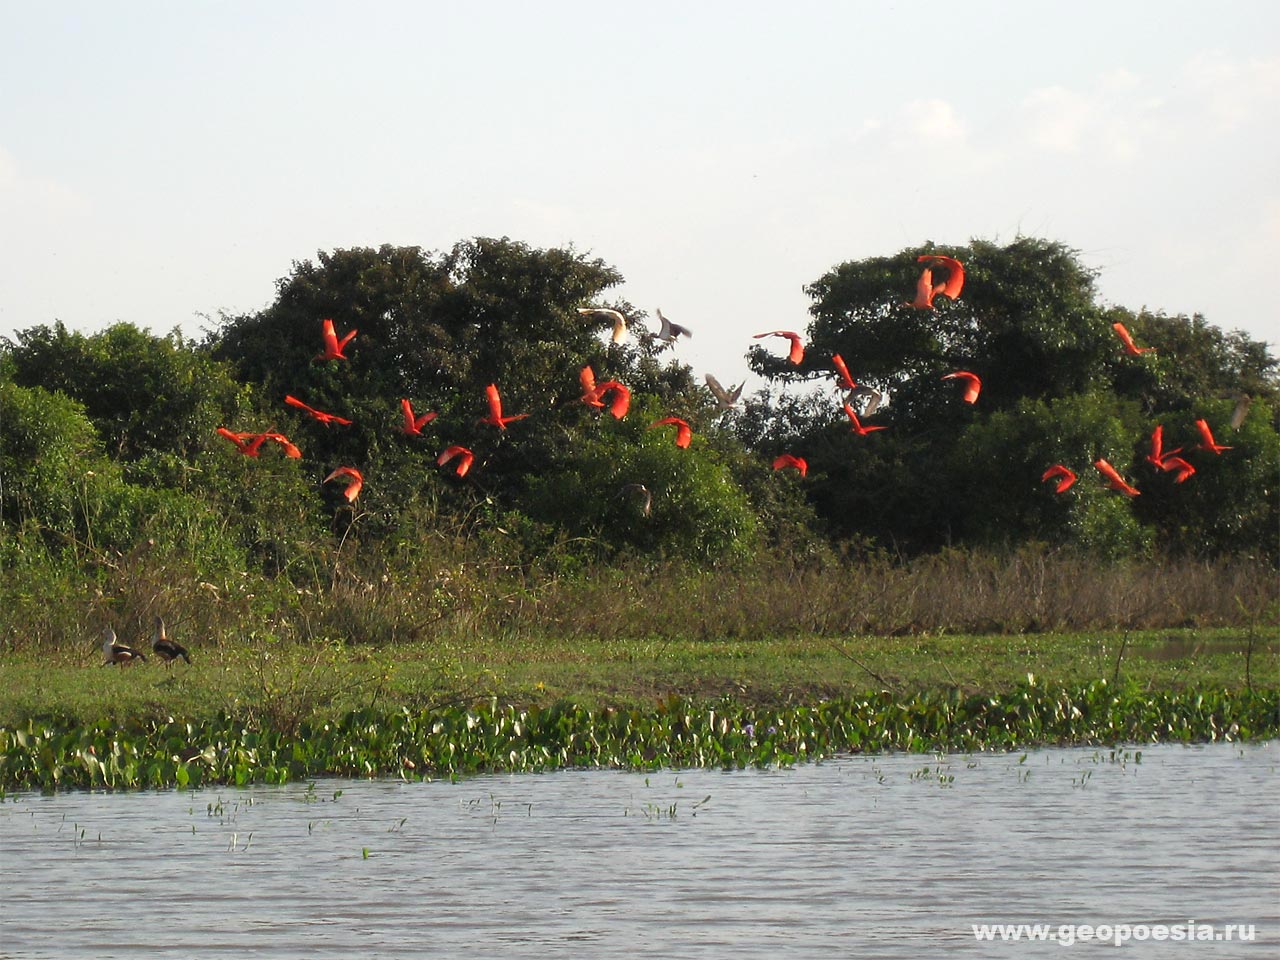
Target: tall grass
[[454, 590]]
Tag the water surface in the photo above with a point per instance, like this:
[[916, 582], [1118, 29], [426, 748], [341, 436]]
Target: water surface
[[869, 856]]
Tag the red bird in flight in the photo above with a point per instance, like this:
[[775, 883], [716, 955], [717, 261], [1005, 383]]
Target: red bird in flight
[[621, 397], [1206, 438], [972, 384], [495, 417], [1172, 463], [1114, 480], [843, 380], [590, 393], [955, 275], [1130, 347], [1064, 475], [925, 291], [250, 444], [788, 460], [797, 345], [332, 345], [413, 425], [353, 488], [325, 418], [464, 457], [684, 434], [1158, 452], [858, 427]]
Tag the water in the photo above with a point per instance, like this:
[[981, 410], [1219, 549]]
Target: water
[[885, 856]]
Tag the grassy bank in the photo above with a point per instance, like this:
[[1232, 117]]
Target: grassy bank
[[281, 684]]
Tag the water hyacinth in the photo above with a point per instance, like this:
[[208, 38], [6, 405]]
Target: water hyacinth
[[677, 733]]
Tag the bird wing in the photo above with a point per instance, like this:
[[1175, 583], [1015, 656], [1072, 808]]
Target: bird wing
[[495, 403], [846, 382]]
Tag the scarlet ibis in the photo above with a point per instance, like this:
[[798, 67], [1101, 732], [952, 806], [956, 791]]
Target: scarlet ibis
[[1172, 463], [668, 332], [955, 274], [353, 488], [325, 418], [797, 345], [725, 399], [1064, 475], [614, 316], [118, 653], [858, 426], [925, 291], [1114, 480], [1158, 453], [640, 493], [464, 457], [1130, 347], [684, 434], [590, 393], [843, 380], [166, 649], [495, 417], [290, 451], [1206, 439], [250, 444], [972, 384], [789, 460], [621, 397], [332, 345], [413, 424]]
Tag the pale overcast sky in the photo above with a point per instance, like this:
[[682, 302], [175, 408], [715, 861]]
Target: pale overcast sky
[[160, 161]]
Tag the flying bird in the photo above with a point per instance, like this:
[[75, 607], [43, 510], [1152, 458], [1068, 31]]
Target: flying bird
[[843, 380], [325, 418], [1206, 439], [290, 451], [789, 460], [495, 417], [1158, 453], [464, 457], [413, 424], [332, 345], [955, 275], [925, 291], [353, 488], [615, 317], [1241, 411], [590, 392], [858, 426], [166, 649], [1130, 347], [725, 399], [972, 384], [250, 444], [640, 493], [1064, 475], [668, 332], [621, 397], [797, 345], [1172, 463], [1114, 480], [684, 434], [118, 653]]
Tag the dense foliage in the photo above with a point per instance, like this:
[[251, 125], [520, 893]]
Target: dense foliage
[[109, 443]]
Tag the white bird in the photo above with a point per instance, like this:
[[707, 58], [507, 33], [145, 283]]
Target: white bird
[[669, 331], [727, 399], [870, 398], [116, 652], [604, 313]]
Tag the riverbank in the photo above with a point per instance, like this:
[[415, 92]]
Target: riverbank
[[271, 711]]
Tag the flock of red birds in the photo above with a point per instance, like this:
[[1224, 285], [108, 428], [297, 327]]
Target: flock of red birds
[[618, 397]]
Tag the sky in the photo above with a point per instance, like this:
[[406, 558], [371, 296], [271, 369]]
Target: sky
[[165, 164]]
